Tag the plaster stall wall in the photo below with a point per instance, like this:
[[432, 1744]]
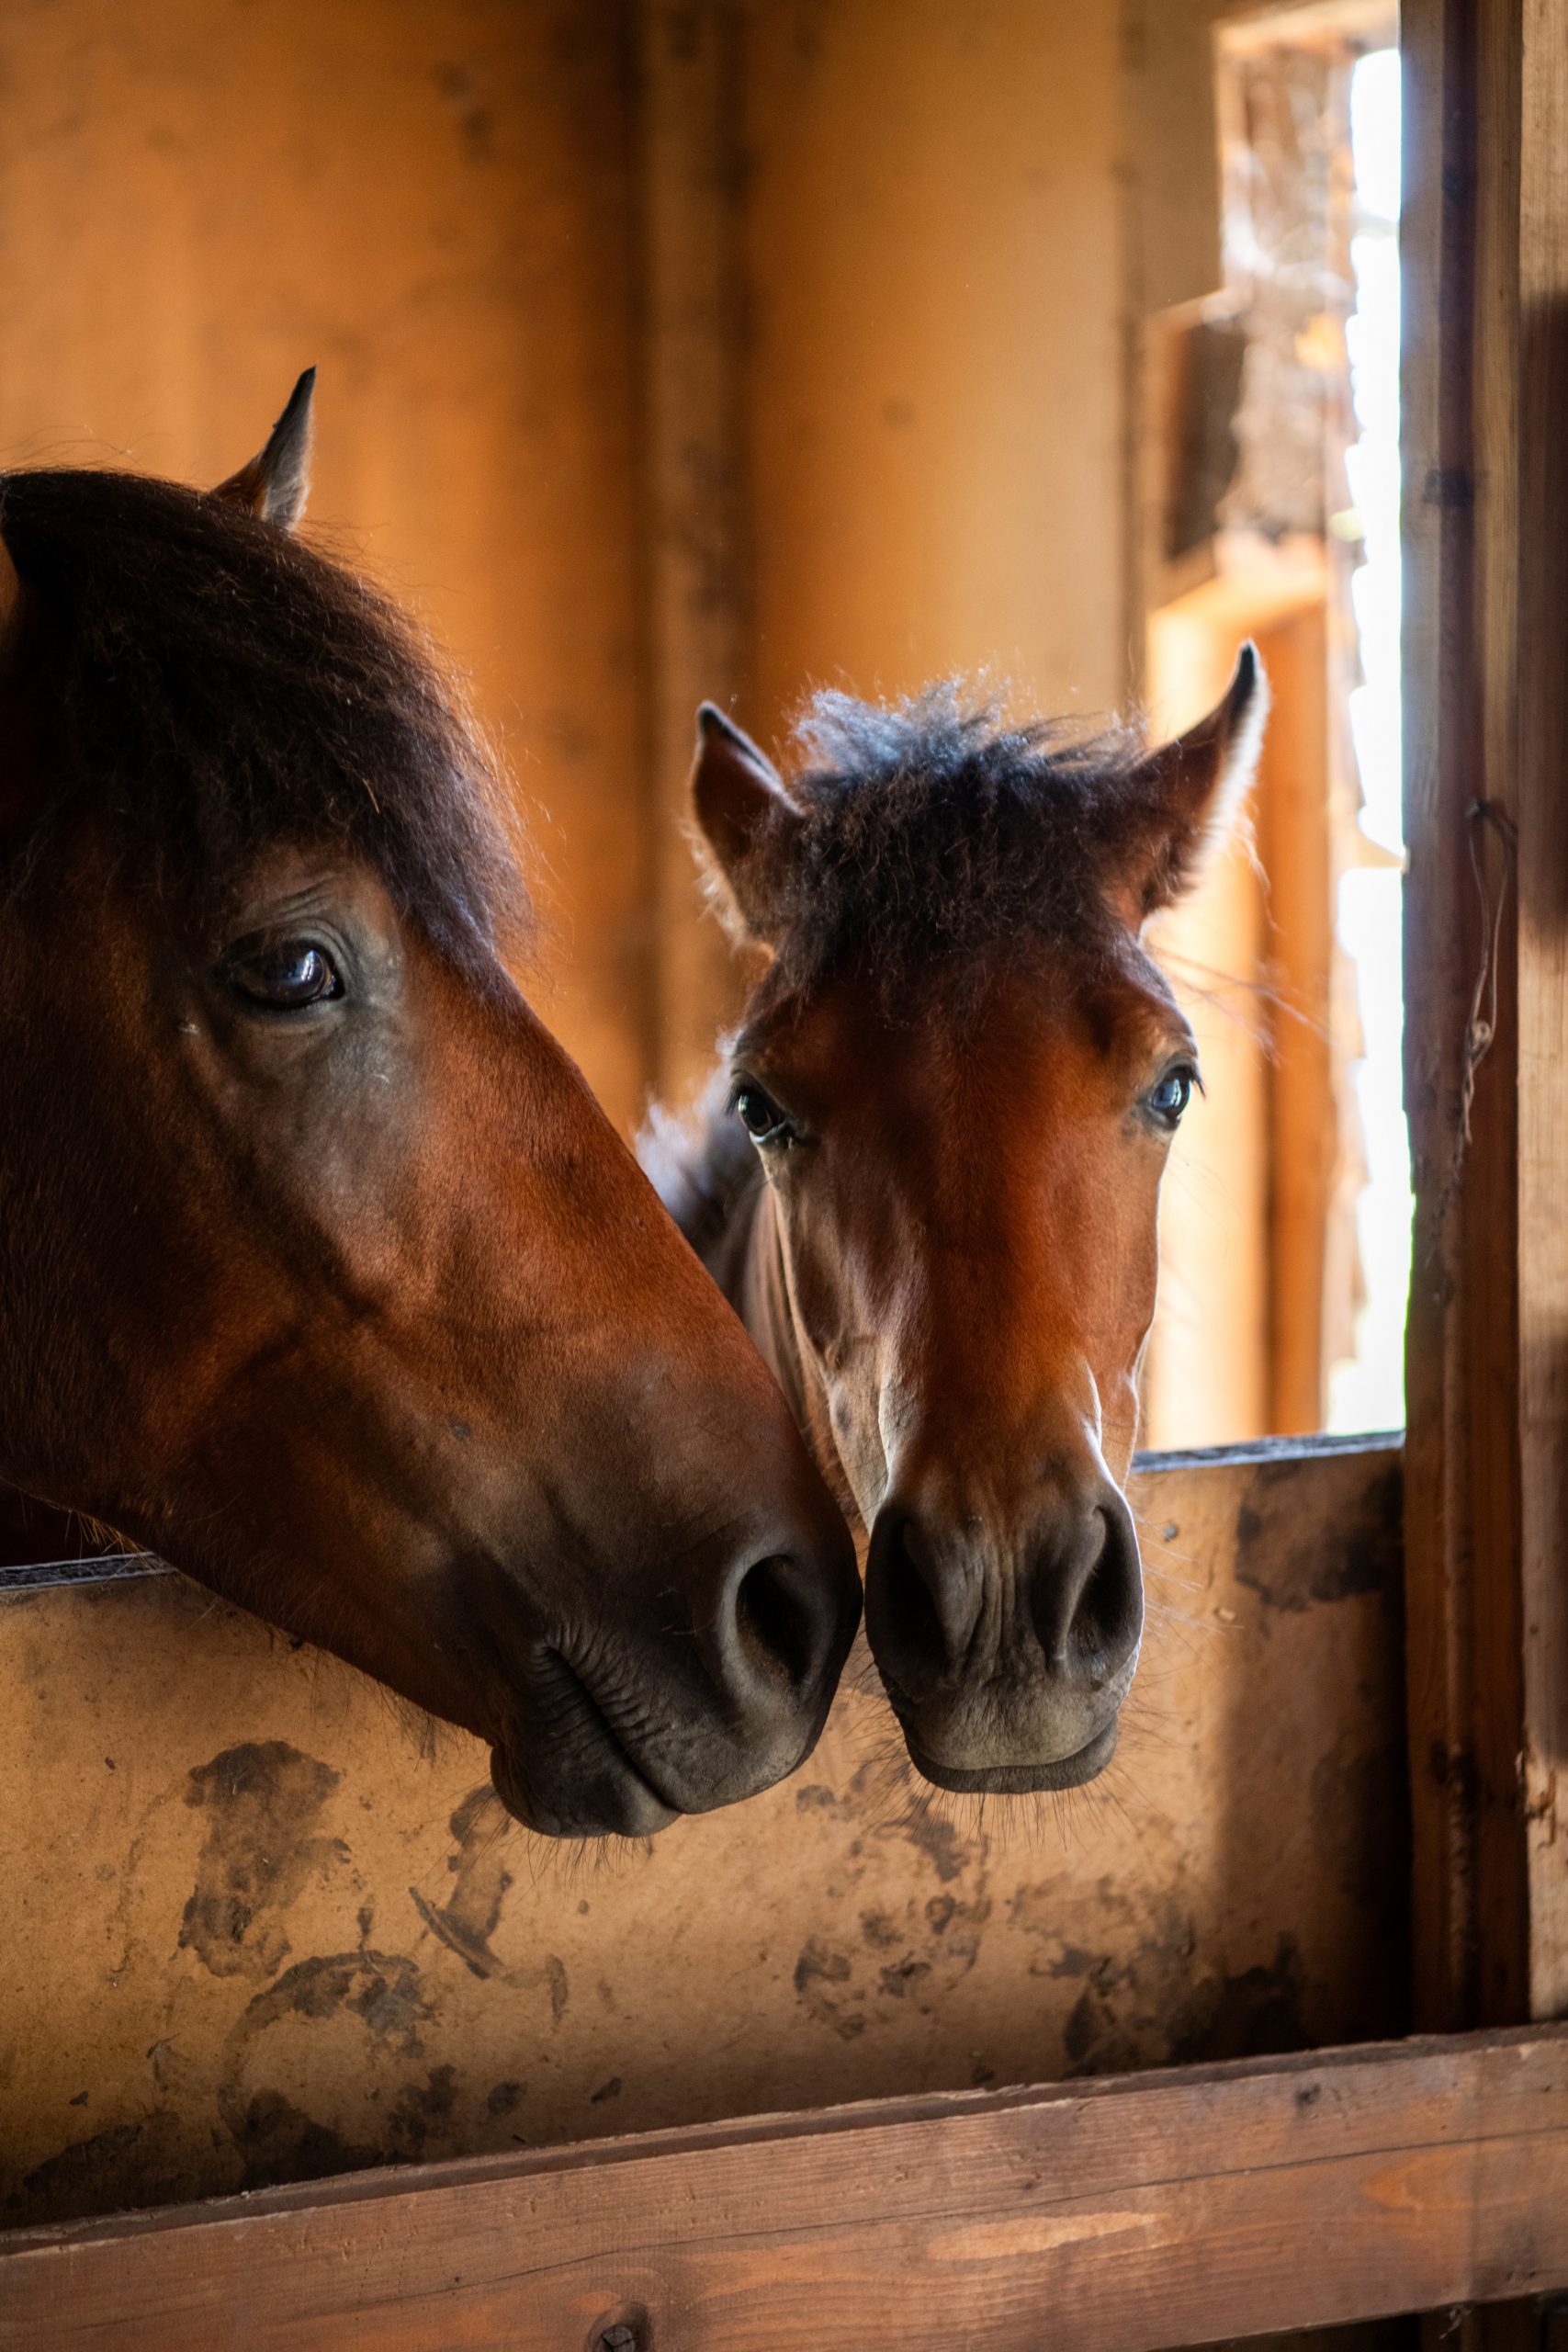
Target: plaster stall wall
[[934, 395], [250, 1933], [431, 199]]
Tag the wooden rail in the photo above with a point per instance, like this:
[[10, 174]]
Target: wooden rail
[[1113, 2216]]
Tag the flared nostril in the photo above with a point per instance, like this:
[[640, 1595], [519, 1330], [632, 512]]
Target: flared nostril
[[1086, 1593], [922, 1602], [783, 1627], [915, 1594]]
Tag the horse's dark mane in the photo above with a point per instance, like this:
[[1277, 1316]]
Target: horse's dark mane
[[222, 686], [936, 831], [701, 1164]]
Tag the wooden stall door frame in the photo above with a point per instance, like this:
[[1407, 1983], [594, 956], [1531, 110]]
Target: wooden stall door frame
[[1212, 2200], [1485, 422]]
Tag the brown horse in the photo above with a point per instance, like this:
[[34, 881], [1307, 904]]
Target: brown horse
[[953, 1094], [320, 1271]]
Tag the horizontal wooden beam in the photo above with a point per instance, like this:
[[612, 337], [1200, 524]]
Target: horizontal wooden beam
[[1115, 2216]]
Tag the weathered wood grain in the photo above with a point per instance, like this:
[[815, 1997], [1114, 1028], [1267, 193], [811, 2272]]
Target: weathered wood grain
[[1485, 244], [1114, 2216], [695, 477], [1543, 467]]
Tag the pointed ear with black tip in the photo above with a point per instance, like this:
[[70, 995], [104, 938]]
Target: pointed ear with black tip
[[748, 824], [1180, 802], [276, 482]]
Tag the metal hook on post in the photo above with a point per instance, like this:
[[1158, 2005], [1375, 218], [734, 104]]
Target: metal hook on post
[[1480, 1028]]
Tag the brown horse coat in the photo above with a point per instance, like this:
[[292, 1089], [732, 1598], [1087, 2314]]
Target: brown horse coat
[[322, 1274]]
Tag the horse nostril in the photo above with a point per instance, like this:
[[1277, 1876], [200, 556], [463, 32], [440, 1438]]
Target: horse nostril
[[780, 1622], [921, 1603], [911, 1593], [1087, 1593]]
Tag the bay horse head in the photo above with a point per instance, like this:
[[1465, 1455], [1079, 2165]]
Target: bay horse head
[[322, 1274], [951, 1099]]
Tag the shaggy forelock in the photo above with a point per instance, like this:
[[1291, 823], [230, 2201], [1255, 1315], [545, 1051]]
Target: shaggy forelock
[[221, 687], [938, 830]]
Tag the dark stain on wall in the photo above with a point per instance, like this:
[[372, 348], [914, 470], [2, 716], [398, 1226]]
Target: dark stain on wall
[[468, 1917], [263, 1801], [278, 2141], [1286, 1555], [379, 1995], [381, 1989], [423, 2108], [142, 2163], [1253, 2013]]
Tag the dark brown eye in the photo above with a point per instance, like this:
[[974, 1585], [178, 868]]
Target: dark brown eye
[[285, 977], [760, 1114], [1169, 1099]]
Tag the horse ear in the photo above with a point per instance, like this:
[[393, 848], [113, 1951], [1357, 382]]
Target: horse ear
[[748, 823], [276, 481], [1181, 801]]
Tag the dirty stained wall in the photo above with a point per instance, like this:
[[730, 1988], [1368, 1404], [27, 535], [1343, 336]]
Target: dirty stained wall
[[251, 1934]]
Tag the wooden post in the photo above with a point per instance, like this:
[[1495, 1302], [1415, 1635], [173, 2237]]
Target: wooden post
[[1543, 819], [694, 469], [1485, 249]]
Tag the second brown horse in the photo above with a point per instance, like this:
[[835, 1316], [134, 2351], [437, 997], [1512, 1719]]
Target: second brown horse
[[928, 1176]]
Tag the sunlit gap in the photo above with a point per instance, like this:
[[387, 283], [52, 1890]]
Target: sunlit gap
[[1366, 1389]]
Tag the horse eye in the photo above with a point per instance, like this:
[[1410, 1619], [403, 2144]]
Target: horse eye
[[760, 1114], [287, 977], [1170, 1097]]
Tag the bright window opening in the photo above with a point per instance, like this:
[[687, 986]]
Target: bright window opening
[[1366, 1387], [1272, 461]]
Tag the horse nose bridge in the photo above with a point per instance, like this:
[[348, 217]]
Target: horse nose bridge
[[996, 1395]]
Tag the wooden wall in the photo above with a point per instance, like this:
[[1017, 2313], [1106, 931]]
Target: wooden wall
[[250, 1933], [836, 292], [431, 198], [934, 247]]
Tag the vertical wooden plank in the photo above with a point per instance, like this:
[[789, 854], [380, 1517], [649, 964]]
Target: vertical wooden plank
[[696, 572], [1544, 982], [1434, 253], [1487, 517], [1453, 1547]]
